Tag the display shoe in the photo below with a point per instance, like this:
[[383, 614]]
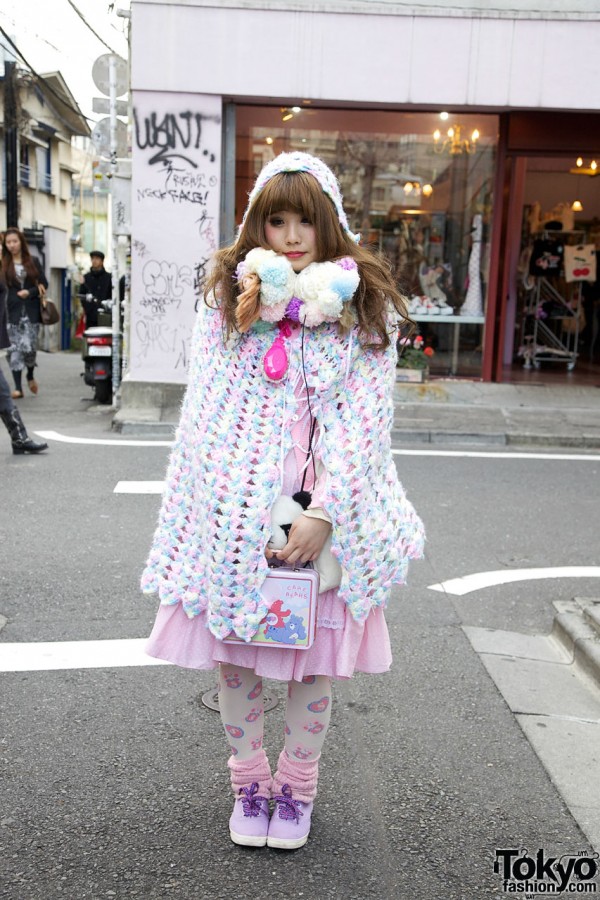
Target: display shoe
[[33, 385], [290, 823], [249, 821], [414, 305]]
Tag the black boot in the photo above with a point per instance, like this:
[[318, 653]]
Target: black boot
[[21, 442]]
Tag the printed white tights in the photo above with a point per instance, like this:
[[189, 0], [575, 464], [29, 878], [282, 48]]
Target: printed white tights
[[307, 716]]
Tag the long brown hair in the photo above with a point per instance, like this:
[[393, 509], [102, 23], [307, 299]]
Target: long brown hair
[[301, 193], [8, 266]]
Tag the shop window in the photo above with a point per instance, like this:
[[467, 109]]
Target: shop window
[[418, 189]]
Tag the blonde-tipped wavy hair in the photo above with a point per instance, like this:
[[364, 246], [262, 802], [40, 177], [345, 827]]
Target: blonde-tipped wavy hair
[[377, 294]]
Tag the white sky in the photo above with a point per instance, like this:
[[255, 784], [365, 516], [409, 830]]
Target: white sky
[[52, 37]]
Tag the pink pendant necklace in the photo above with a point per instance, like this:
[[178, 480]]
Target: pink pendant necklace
[[276, 360]]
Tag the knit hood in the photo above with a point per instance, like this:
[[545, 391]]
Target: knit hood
[[304, 162]]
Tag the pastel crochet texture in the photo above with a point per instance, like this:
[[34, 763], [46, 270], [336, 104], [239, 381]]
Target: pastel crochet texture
[[224, 475]]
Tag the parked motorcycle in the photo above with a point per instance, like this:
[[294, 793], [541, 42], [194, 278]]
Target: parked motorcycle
[[96, 352]]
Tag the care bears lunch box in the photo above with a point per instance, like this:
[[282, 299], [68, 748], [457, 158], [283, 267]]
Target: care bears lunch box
[[292, 617]]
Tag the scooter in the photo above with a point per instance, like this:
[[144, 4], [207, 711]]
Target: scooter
[[96, 352]]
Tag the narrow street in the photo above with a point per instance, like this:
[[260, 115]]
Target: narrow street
[[114, 781]]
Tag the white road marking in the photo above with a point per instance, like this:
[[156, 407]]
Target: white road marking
[[44, 656], [139, 487], [466, 454], [478, 580], [100, 442], [495, 454]]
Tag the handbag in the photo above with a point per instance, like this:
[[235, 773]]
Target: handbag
[[580, 262], [292, 617], [49, 313]]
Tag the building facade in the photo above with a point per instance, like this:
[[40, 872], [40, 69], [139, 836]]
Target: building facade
[[47, 118], [453, 130]]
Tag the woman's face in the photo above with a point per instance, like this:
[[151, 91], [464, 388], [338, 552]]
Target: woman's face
[[12, 244], [293, 236]]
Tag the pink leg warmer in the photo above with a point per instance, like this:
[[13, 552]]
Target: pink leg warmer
[[302, 777], [246, 771]]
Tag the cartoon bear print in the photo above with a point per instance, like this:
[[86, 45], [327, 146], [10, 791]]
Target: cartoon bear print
[[234, 731], [314, 727], [256, 691]]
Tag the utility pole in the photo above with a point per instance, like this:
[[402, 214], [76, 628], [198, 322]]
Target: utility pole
[[116, 307], [10, 145]]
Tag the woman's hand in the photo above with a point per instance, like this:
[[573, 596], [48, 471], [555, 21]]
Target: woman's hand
[[24, 294], [306, 540]]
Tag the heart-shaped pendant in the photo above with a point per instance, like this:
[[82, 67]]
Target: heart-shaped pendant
[[276, 360]]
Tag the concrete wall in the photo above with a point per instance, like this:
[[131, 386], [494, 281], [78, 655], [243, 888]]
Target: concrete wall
[[175, 225], [417, 59]]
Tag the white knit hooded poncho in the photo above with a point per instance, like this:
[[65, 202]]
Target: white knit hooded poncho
[[224, 475]]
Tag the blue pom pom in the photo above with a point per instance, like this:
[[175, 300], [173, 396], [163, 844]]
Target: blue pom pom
[[345, 284], [275, 272]]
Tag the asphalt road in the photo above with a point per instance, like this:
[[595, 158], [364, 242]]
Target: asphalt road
[[114, 780]]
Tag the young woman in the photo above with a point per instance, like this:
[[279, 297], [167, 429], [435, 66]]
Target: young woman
[[23, 277], [290, 388]]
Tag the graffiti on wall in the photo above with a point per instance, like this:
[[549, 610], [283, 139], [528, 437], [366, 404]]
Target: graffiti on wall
[[175, 197]]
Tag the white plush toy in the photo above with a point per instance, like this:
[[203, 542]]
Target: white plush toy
[[284, 512]]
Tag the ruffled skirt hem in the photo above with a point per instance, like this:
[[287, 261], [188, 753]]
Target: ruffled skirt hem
[[341, 646]]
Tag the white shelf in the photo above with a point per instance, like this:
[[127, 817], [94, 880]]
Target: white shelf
[[450, 320]]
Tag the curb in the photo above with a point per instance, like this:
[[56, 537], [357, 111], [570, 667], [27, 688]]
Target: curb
[[582, 441], [148, 427], [577, 628], [505, 438], [448, 437]]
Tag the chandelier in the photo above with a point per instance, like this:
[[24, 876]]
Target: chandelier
[[415, 188], [580, 169], [453, 143]]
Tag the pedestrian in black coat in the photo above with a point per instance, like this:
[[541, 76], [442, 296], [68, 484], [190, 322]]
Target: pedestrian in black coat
[[96, 287]]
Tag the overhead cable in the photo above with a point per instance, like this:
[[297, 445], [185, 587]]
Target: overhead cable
[[95, 33], [43, 80]]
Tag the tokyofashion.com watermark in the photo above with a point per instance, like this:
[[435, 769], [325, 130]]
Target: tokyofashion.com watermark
[[533, 874]]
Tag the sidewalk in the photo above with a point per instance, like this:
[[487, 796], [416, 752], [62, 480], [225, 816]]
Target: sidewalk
[[456, 411], [442, 411]]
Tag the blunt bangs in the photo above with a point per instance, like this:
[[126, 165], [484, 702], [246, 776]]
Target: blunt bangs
[[296, 191]]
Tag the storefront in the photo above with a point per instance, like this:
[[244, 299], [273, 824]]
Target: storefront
[[419, 189], [440, 165], [546, 323]]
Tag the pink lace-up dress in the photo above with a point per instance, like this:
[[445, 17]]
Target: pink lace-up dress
[[342, 645]]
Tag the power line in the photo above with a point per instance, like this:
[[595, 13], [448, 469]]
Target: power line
[[43, 80], [34, 34], [95, 33]]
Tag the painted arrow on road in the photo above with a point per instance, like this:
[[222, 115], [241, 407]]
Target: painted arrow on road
[[478, 580]]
